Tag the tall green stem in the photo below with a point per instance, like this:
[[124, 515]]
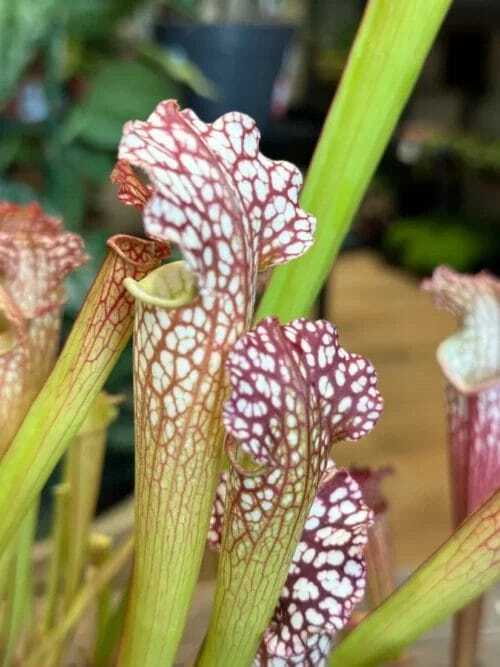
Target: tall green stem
[[109, 633], [20, 597], [387, 56], [178, 437], [100, 546], [83, 470], [53, 586]]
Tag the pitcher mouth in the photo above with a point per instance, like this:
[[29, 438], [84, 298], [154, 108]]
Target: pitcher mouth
[[461, 369], [169, 286], [459, 366]]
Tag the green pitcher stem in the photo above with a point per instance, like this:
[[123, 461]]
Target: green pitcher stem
[[20, 590], [171, 527], [246, 597], [100, 549], [53, 585], [253, 566], [108, 634], [178, 438], [83, 472]]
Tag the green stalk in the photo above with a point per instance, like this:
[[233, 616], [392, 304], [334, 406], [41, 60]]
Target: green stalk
[[110, 618], [253, 569], [20, 596], [177, 462], [387, 56], [465, 566], [97, 339], [100, 546], [60, 494], [106, 648], [87, 594], [4, 577], [83, 470]]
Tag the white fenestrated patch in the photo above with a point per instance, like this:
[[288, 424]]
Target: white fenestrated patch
[[321, 591]]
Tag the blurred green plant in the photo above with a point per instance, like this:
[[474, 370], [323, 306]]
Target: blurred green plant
[[421, 244], [474, 151], [119, 90], [24, 26], [70, 79]]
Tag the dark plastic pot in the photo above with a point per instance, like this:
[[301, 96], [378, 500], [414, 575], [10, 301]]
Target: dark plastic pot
[[242, 60]]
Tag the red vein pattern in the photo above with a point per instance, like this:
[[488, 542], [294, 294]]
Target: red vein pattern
[[113, 308], [36, 254], [131, 190], [470, 360], [232, 212], [294, 392], [179, 388], [283, 378], [104, 322], [229, 208], [14, 369], [326, 577]]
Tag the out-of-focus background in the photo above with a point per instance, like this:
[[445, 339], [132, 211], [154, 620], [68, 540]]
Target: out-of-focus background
[[74, 72]]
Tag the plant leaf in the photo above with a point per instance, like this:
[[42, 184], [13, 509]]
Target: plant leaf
[[119, 91], [24, 25], [179, 67], [384, 63]]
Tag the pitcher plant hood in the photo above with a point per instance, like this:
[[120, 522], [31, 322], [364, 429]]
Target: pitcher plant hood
[[294, 392], [232, 212], [36, 254], [470, 360]]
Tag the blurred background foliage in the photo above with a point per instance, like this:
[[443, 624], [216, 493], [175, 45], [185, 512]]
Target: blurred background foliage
[[72, 75]]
